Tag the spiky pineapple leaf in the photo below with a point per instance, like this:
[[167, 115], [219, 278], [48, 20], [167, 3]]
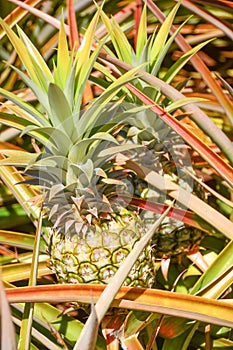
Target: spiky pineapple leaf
[[84, 51], [180, 103], [42, 68], [81, 149], [156, 65], [32, 114], [118, 38], [61, 114], [25, 57], [91, 115], [41, 95], [142, 33], [55, 137], [18, 158], [176, 67], [118, 149], [62, 69], [161, 37]]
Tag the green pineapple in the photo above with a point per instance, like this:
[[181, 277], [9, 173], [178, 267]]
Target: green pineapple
[[91, 231], [167, 154]]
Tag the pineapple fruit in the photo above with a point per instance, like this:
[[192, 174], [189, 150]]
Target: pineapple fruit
[[91, 234], [166, 153]]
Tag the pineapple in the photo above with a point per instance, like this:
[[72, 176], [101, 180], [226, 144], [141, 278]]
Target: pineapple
[[167, 154], [163, 149], [91, 231]]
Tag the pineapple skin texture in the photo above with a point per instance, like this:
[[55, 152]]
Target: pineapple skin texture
[[96, 255]]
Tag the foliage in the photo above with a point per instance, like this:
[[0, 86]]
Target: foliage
[[125, 53]]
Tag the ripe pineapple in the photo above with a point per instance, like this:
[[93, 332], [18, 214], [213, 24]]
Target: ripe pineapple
[[91, 234]]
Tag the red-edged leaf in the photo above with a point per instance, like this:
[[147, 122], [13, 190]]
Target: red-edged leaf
[[212, 158], [186, 216], [152, 300], [198, 64]]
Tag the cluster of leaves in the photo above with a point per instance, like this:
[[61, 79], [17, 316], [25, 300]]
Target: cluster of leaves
[[185, 309]]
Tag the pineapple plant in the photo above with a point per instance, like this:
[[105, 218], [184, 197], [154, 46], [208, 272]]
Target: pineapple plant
[[90, 233], [91, 229], [163, 151]]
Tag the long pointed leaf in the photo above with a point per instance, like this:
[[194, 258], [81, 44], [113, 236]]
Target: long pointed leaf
[[153, 300], [205, 123]]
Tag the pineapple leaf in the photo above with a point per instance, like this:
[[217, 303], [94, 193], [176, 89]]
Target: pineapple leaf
[[156, 64], [42, 96], [92, 114], [39, 63], [80, 149], [83, 77], [84, 51], [17, 158], [172, 72], [55, 137], [161, 37], [63, 59], [87, 168], [142, 33], [23, 53], [119, 40], [61, 114], [180, 103], [21, 123], [33, 115], [117, 149]]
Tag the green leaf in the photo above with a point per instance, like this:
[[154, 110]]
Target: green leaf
[[41, 95], [180, 103], [23, 53], [142, 33], [17, 158], [32, 114], [156, 65], [82, 78], [118, 149], [83, 53], [63, 59], [61, 114], [40, 65], [223, 262], [57, 138], [82, 148], [91, 115], [118, 38], [161, 37], [173, 71]]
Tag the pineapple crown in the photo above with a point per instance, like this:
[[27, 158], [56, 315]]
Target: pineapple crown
[[74, 138]]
